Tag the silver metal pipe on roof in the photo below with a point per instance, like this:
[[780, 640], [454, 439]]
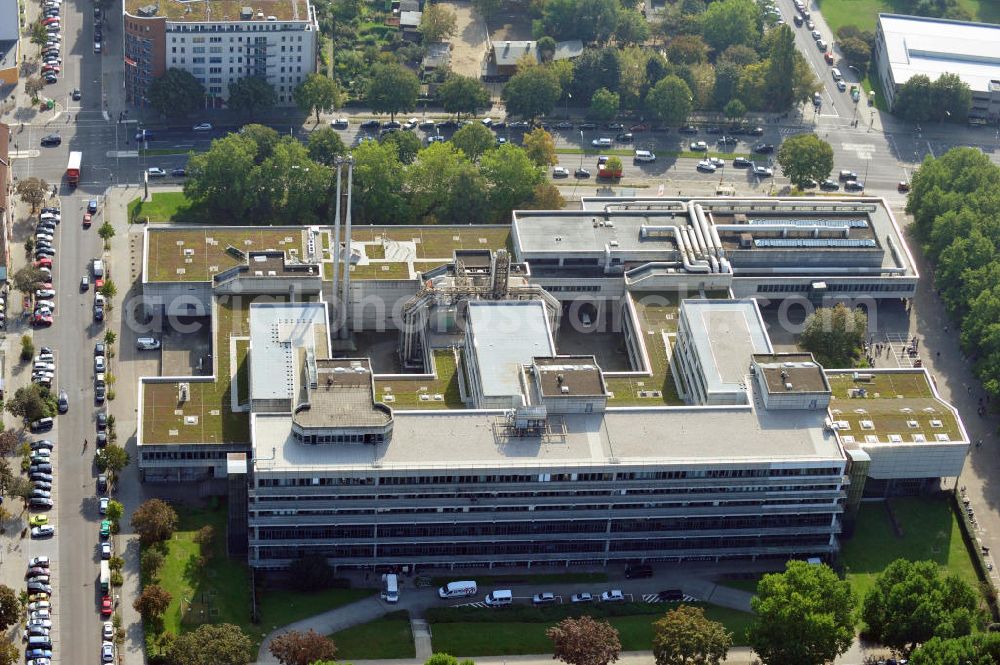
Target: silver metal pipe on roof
[[335, 246], [344, 333], [702, 248]]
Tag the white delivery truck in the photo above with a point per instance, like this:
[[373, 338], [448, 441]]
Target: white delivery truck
[[458, 589]]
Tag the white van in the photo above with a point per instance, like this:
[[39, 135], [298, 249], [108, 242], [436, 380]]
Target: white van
[[644, 156], [390, 588], [147, 343], [499, 598], [836, 74], [458, 589]]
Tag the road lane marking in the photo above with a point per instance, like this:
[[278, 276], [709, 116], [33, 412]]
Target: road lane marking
[[931, 149], [864, 151]]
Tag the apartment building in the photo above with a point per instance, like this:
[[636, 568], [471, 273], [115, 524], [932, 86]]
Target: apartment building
[[219, 43]]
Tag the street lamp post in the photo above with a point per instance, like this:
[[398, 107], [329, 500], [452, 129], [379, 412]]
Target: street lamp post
[[581, 148]]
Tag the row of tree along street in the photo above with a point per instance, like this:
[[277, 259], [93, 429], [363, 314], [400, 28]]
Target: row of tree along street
[[258, 175]]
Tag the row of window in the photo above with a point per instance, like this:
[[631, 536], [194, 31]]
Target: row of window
[[570, 547], [232, 40], [854, 287], [235, 27], [548, 477], [577, 288]]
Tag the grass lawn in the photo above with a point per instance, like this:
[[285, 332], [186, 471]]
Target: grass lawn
[[387, 637], [217, 590], [930, 531], [161, 207], [518, 637], [750, 586], [864, 13]]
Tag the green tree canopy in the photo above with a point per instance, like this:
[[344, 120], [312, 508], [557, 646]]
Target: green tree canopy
[[687, 50], [912, 601], [437, 23], [463, 94], [603, 105], [431, 179], [913, 100], [587, 20], [835, 335], [378, 185], [176, 94], [317, 93], [31, 402], [112, 458], [325, 146], [685, 637], [407, 145], [474, 139], [632, 28], [978, 649], [250, 95], [805, 157], [670, 100], [856, 52], [532, 93], [290, 184], [512, 178], [10, 607], [392, 89], [804, 616], [728, 22], [735, 109], [540, 147], [266, 139], [212, 644], [217, 179], [780, 80], [154, 520], [951, 98]]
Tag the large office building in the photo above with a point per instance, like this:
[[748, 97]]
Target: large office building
[[579, 387], [219, 43], [906, 46]]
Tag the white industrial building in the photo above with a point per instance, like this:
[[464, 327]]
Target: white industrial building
[[906, 46]]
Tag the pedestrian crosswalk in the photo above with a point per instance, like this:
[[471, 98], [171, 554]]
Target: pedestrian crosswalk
[[655, 598]]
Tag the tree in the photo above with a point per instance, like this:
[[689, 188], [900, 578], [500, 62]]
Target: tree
[[632, 28], [115, 511], [835, 334], [22, 488], [295, 647], [290, 184], [154, 520], [108, 289], [735, 109], [10, 607], [109, 337], [250, 95], [39, 35], [856, 52], [152, 602], [913, 100], [805, 157], [463, 94], [150, 563], [311, 573], [532, 93], [265, 139], [106, 232], [316, 93], [912, 602], [685, 637], [474, 139], [392, 89], [804, 616], [670, 100], [9, 653], [111, 458], [31, 402], [8, 444], [978, 649], [406, 144], [32, 191], [587, 20], [779, 80], [512, 177], [437, 23], [431, 182], [218, 179], [546, 196], [26, 279], [951, 98], [728, 22], [378, 184], [176, 93], [212, 644], [325, 146], [687, 50], [584, 641], [541, 148], [546, 48], [32, 86], [604, 105]]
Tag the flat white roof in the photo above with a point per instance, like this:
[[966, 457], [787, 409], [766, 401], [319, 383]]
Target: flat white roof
[[474, 439], [277, 331], [725, 333], [930, 46], [505, 336]]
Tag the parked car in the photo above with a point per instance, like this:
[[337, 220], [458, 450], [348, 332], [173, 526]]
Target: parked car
[[44, 531], [543, 598], [582, 597], [202, 127], [763, 148], [612, 596], [763, 171], [51, 140], [560, 172], [178, 173], [829, 185], [156, 172], [854, 186], [706, 166], [602, 142], [581, 173], [698, 146]]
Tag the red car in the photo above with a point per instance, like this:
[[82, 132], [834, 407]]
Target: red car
[[41, 320], [106, 607], [828, 57], [52, 68], [86, 220], [639, 128], [43, 262], [50, 20], [98, 283]]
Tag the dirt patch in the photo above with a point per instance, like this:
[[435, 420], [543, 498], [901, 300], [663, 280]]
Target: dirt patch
[[468, 46], [510, 27]]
